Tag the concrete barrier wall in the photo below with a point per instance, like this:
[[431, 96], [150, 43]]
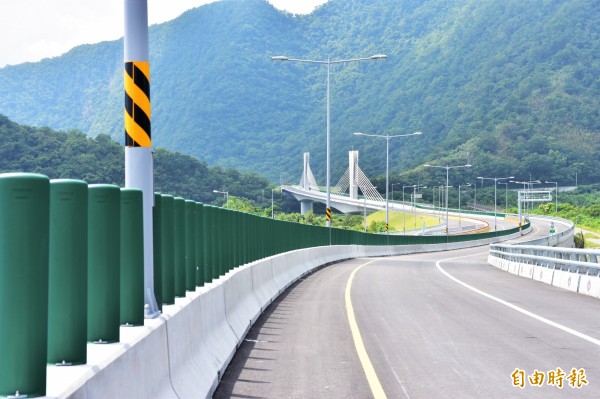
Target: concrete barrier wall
[[263, 283], [580, 283], [590, 285], [185, 351], [566, 280], [241, 304]]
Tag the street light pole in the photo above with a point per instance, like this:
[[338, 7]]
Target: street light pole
[[556, 206], [394, 184], [226, 193], [495, 179], [387, 138], [328, 62], [475, 200], [415, 187], [328, 167], [459, 216], [273, 203], [505, 195], [365, 214], [404, 208], [447, 184]]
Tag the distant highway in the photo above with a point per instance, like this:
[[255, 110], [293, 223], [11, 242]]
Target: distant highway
[[440, 325]]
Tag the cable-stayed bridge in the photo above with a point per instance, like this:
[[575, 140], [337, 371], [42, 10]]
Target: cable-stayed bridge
[[344, 195]]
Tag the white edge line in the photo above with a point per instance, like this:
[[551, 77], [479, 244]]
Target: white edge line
[[510, 305]]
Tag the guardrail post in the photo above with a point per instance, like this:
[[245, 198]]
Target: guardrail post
[[190, 245], [68, 268], [104, 263], [132, 257], [24, 230], [157, 248], [200, 262], [167, 255], [179, 246]]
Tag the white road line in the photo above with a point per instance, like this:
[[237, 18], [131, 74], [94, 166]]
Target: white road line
[[510, 305]]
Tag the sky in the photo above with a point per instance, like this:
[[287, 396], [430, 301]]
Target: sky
[[31, 30]]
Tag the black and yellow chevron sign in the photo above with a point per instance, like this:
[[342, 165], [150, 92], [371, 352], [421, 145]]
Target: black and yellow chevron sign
[[387, 227], [328, 214], [137, 104]]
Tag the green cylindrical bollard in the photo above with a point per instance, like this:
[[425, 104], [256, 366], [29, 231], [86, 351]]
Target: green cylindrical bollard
[[235, 258], [208, 243], [220, 244], [199, 245], [157, 248], [168, 271], [209, 240], [216, 256], [179, 246], [68, 267], [227, 248], [132, 257], [190, 245], [206, 211], [24, 229], [104, 259]]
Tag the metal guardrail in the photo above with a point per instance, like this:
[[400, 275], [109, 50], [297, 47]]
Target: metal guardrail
[[538, 252], [554, 238], [567, 259]]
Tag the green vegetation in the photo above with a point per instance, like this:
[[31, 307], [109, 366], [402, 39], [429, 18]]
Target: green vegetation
[[348, 222], [582, 207], [513, 87], [100, 160], [74, 155]]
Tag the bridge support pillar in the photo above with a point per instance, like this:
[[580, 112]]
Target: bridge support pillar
[[306, 206]]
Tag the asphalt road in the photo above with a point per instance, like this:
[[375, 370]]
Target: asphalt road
[[442, 325]]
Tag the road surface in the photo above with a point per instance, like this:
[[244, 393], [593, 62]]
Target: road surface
[[441, 325]]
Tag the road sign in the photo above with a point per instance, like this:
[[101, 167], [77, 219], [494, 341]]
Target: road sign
[[552, 230]]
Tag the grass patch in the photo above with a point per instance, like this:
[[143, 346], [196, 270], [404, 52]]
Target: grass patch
[[396, 220]]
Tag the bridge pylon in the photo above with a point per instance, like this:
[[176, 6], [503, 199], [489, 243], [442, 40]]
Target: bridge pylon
[[353, 172], [307, 182], [353, 180]]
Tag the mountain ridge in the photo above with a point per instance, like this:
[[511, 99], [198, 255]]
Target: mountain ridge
[[512, 86]]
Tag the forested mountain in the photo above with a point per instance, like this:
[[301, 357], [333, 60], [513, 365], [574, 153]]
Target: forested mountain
[[73, 155], [513, 86]]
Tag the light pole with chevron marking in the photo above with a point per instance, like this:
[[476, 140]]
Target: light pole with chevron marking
[[138, 143]]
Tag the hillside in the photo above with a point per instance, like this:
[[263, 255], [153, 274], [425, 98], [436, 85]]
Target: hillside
[[73, 155], [513, 86]]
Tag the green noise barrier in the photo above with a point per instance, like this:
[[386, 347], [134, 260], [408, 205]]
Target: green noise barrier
[[179, 246], [190, 245], [72, 263], [206, 243], [199, 245], [167, 254], [68, 268], [24, 230], [104, 247], [157, 248], [132, 258]]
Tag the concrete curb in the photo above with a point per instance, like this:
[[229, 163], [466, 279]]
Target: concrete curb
[[184, 352]]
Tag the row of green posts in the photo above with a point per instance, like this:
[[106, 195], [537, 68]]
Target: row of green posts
[[72, 267]]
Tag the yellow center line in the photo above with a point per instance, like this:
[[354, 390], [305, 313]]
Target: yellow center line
[[376, 388]]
